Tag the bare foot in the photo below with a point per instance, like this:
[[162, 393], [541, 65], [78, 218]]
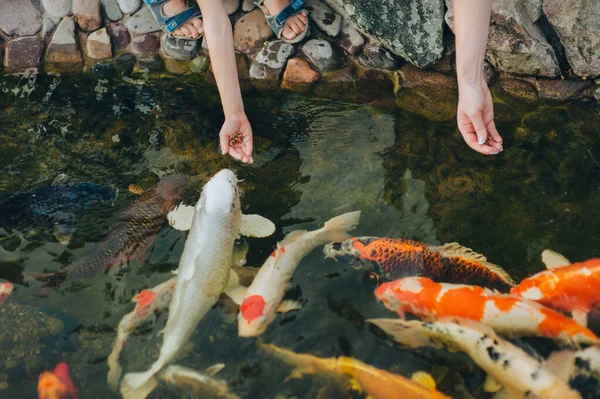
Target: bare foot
[[192, 28], [294, 25]]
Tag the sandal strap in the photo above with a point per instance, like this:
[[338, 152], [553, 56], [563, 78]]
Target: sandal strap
[[177, 20], [151, 2], [291, 9]]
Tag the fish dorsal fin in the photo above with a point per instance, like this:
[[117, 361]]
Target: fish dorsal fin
[[181, 217], [455, 249], [214, 369], [256, 226], [554, 260], [291, 237]]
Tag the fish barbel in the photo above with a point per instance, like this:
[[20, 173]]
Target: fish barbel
[[507, 314], [378, 384], [204, 271], [393, 258], [518, 372]]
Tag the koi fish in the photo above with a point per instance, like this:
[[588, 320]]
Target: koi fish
[[131, 236], [393, 258], [51, 207], [505, 313], [196, 384], [5, 291], [56, 384], [263, 299], [564, 286], [378, 384], [204, 271], [581, 369], [519, 373]]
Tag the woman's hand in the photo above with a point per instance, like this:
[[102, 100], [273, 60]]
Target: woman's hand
[[475, 118], [237, 124]]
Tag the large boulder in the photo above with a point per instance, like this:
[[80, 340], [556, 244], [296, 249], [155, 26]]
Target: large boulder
[[410, 29], [577, 24], [515, 44], [19, 18], [63, 55]]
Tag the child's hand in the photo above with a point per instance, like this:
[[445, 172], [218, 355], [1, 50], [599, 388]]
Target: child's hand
[[238, 149]]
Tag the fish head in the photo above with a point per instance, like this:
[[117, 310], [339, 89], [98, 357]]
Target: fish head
[[252, 320], [402, 294], [56, 384], [170, 190], [5, 291], [221, 194], [350, 251]]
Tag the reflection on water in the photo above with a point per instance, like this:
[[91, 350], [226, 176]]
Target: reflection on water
[[314, 159]]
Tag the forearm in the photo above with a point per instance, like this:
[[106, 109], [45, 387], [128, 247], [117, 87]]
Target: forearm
[[219, 37], [471, 27]]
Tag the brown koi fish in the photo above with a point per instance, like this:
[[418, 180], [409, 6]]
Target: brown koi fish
[[392, 258]]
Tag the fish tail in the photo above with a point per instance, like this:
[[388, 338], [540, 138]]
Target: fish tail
[[409, 333], [140, 385], [303, 364], [337, 228]]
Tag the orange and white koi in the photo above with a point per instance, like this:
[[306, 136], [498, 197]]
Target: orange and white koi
[[263, 299], [377, 383], [5, 291], [568, 287], [507, 314], [56, 384], [519, 373], [393, 258]]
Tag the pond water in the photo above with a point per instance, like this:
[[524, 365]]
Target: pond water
[[314, 159]]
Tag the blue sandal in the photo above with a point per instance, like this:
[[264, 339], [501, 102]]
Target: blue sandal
[[169, 24], [277, 22]]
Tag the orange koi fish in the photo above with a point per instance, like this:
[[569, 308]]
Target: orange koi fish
[[569, 287], [378, 384], [393, 258], [507, 314], [5, 291], [56, 384]]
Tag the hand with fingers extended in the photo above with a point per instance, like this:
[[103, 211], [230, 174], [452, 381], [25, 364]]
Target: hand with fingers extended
[[231, 143], [475, 118]]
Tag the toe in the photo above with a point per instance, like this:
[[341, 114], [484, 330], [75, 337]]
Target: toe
[[288, 33], [193, 31], [197, 22], [185, 31]]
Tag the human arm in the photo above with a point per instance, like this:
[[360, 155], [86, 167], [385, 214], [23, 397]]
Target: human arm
[[219, 37], [475, 113]]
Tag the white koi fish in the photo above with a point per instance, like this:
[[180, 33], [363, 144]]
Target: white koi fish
[[520, 374], [204, 271], [263, 299], [581, 369]]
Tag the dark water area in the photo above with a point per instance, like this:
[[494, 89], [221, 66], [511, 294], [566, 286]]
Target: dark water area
[[314, 159]]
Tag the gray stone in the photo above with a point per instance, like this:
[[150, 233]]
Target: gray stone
[[129, 6], [250, 32], [248, 5], [377, 57], [153, 63], [112, 10], [577, 24], [87, 14], [120, 35], [561, 90], [23, 52], [411, 29], [324, 17], [200, 64], [515, 45], [179, 49], [63, 55], [270, 60], [57, 8], [351, 40], [103, 70], [48, 24], [142, 22], [125, 64], [533, 9], [145, 45], [322, 55], [231, 6], [19, 18], [98, 44]]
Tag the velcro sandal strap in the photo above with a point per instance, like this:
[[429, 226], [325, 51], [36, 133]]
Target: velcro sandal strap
[[177, 20], [291, 9], [152, 2]]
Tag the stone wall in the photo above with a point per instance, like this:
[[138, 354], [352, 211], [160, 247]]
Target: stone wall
[[396, 52]]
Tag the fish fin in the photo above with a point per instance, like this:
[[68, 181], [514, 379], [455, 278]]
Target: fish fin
[[491, 384], [561, 363], [580, 316], [291, 237], [455, 249], [181, 217], [288, 305], [337, 227], [256, 226], [138, 385], [63, 232], [423, 378], [554, 260], [409, 333], [214, 369]]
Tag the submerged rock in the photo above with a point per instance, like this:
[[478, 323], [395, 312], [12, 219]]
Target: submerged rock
[[250, 32], [23, 52], [336, 85], [19, 18], [324, 17], [153, 63], [410, 29], [270, 60], [103, 70], [322, 55], [561, 90], [200, 64], [63, 55], [125, 64], [519, 88]]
